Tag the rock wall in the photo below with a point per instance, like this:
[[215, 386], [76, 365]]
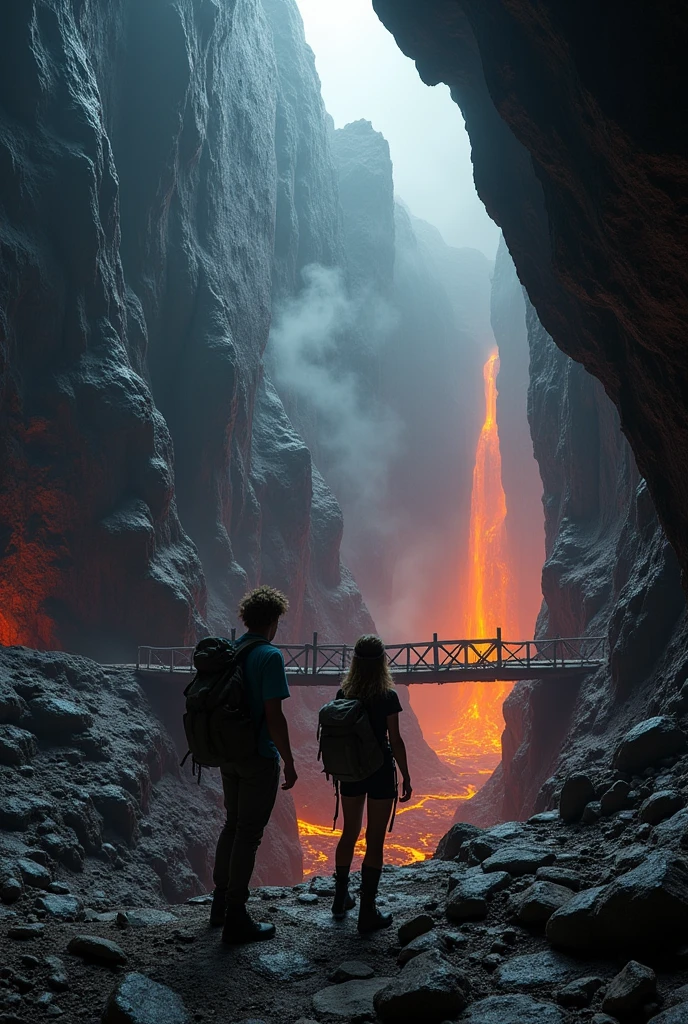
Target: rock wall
[[609, 572], [165, 175], [576, 122]]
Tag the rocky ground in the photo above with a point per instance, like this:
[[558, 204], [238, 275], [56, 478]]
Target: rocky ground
[[580, 914]]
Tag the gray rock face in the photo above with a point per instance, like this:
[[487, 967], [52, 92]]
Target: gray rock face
[[416, 926], [350, 999], [577, 791], [673, 831], [138, 1000], [616, 798], [647, 743], [17, 746], [643, 908], [535, 969], [351, 970], [630, 989], [536, 904], [579, 993], [560, 876], [428, 987], [516, 1009], [422, 944], [450, 844], [518, 860], [674, 1015], [61, 908], [468, 898], [662, 804], [55, 717]]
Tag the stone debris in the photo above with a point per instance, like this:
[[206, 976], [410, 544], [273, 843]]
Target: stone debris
[[284, 966], [351, 970], [96, 950], [560, 876], [25, 932], [423, 943], [647, 743], [61, 908], [410, 930], [519, 860], [662, 804], [138, 1000], [450, 844], [536, 904], [630, 989], [579, 993], [535, 969], [428, 988], [577, 791], [349, 1000], [512, 1009], [673, 1015], [615, 798], [57, 979]]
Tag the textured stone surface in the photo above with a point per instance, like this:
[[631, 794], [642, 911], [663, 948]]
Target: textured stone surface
[[576, 792], [536, 904], [535, 969], [450, 844], [97, 950], [662, 804], [138, 1000], [635, 985], [349, 999], [647, 743], [519, 1009], [518, 860], [428, 987], [414, 927], [579, 993]]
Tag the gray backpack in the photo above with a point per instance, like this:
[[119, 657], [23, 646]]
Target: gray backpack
[[349, 749], [218, 723]]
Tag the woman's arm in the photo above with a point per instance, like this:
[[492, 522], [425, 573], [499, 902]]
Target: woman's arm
[[399, 750]]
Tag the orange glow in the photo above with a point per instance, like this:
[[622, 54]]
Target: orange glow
[[418, 827]]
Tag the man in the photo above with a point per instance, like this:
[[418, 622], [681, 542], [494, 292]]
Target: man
[[250, 786]]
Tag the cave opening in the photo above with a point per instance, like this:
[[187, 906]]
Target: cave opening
[[449, 539]]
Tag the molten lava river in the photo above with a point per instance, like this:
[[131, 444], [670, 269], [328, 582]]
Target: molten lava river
[[471, 746]]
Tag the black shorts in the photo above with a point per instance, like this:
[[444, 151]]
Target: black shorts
[[382, 785]]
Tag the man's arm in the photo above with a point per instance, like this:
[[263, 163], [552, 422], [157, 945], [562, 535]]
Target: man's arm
[[279, 734]]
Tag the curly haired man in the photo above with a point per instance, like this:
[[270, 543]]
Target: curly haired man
[[250, 786]]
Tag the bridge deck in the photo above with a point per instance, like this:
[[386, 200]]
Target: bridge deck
[[435, 661]]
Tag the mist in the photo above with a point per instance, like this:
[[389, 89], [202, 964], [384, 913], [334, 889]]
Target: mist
[[365, 75]]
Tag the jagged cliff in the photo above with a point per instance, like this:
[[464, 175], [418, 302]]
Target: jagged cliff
[[609, 572], [165, 175], [580, 155]]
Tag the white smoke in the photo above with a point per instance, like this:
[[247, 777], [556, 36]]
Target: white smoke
[[313, 366]]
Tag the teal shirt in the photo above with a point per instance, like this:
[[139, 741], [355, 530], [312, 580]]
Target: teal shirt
[[265, 679]]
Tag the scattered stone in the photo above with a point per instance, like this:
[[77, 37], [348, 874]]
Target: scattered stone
[[674, 1015], [536, 904], [57, 979], [59, 888], [560, 876], [308, 898], [629, 858], [349, 1000], [491, 961], [16, 814], [62, 908], [422, 943], [647, 743], [647, 907], [284, 966], [96, 950], [94, 916], [576, 793], [118, 809], [322, 886], [518, 860], [603, 1018], [512, 1009], [410, 930], [27, 960], [145, 917], [428, 988], [679, 995], [351, 970], [450, 844], [543, 817], [33, 874], [592, 812], [54, 718], [534, 969], [11, 889], [579, 993], [138, 1000], [615, 799], [630, 989], [662, 804], [25, 932], [185, 937]]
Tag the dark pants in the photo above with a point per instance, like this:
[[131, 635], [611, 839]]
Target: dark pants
[[250, 789]]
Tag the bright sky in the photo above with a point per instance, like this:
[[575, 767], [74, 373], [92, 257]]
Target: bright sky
[[365, 75]]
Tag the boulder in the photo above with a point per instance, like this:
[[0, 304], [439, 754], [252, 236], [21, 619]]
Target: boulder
[[421, 944], [673, 1015], [579, 993], [512, 1009], [646, 907], [138, 1000], [428, 988], [57, 979], [630, 989], [468, 900], [26, 932], [479, 884], [61, 907], [450, 844], [536, 904], [55, 718], [535, 969], [17, 746], [351, 970], [577, 791], [679, 995], [35, 875], [410, 930], [592, 812], [647, 743], [16, 814], [285, 965], [615, 798], [673, 831], [662, 804], [146, 917], [560, 876], [12, 707], [96, 950], [519, 860], [352, 999]]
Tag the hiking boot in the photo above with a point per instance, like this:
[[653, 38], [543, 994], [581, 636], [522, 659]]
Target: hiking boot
[[240, 927], [219, 908], [343, 900], [370, 918]]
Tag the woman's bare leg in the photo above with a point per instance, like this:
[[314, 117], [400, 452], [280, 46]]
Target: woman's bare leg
[[379, 812], [352, 807]]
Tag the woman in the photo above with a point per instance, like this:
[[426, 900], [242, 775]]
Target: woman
[[370, 681]]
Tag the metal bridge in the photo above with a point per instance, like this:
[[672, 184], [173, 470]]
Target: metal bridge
[[434, 661]]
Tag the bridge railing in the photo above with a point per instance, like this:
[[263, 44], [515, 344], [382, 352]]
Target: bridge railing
[[422, 657]]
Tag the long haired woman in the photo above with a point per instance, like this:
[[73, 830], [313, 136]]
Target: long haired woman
[[370, 681]]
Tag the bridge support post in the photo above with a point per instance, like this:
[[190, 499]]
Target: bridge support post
[[436, 652], [499, 647], [315, 654], [233, 634]]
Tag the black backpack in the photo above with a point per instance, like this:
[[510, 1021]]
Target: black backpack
[[218, 723]]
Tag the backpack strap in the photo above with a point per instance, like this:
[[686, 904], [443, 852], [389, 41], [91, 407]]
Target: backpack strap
[[396, 796], [336, 804]]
